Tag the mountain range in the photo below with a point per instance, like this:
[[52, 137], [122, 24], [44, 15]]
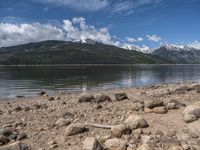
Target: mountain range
[[92, 52]]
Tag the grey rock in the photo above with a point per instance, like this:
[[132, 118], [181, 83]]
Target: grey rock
[[135, 121], [16, 146], [6, 132], [153, 103], [62, 122], [160, 110], [115, 144], [189, 118], [74, 129], [21, 136], [3, 139], [102, 98], [121, 96], [85, 97], [118, 130]]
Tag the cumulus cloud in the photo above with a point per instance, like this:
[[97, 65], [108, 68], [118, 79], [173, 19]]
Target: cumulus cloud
[[78, 29], [14, 34], [72, 30], [154, 38], [132, 40], [81, 5]]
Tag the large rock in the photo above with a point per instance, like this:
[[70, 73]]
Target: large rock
[[191, 111], [118, 130], [85, 97], [153, 103], [135, 121], [16, 146], [115, 144], [6, 132], [91, 143], [194, 129], [121, 96], [160, 110], [74, 129], [102, 98], [3, 139], [189, 118]]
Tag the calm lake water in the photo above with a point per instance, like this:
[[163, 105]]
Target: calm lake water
[[28, 81]]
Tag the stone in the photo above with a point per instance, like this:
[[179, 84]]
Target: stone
[[159, 133], [27, 108], [58, 98], [171, 106], [194, 129], [51, 98], [85, 97], [137, 106], [192, 109], [135, 121], [118, 130], [98, 107], [115, 144], [145, 139], [189, 118], [16, 146], [121, 96], [3, 139], [144, 147], [153, 103], [160, 110], [17, 108], [74, 129], [101, 98], [62, 122], [181, 90], [42, 93], [171, 133], [6, 132], [91, 143], [148, 110], [21, 136], [191, 113]]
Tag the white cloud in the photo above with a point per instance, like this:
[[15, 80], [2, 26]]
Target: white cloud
[[78, 29], [81, 5], [154, 38], [132, 40], [14, 34], [74, 30]]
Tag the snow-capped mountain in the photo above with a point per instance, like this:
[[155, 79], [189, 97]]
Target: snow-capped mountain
[[178, 53], [143, 49]]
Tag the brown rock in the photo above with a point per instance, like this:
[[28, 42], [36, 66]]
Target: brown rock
[[74, 129], [121, 96], [115, 144], [118, 130], [153, 103], [85, 97], [91, 143], [160, 110]]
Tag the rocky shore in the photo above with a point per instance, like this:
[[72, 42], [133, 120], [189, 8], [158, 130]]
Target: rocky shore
[[161, 117]]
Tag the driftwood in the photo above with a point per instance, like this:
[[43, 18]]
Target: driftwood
[[101, 126]]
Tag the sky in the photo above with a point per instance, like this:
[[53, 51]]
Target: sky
[[141, 23]]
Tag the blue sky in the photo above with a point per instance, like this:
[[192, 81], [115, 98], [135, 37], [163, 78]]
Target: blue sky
[[146, 23]]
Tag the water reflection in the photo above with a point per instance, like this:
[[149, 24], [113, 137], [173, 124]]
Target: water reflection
[[29, 80]]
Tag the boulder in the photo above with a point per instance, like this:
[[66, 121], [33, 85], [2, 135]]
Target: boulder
[[91, 143], [74, 129], [153, 103], [189, 118], [121, 96], [194, 129], [135, 121], [115, 144], [137, 106], [62, 122], [85, 97], [160, 110], [16, 146], [102, 98], [6, 132], [3, 139], [118, 130], [191, 113]]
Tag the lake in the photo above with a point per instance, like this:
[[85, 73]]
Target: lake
[[29, 80]]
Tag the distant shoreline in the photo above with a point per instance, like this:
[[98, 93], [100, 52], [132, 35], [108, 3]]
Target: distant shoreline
[[96, 65]]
